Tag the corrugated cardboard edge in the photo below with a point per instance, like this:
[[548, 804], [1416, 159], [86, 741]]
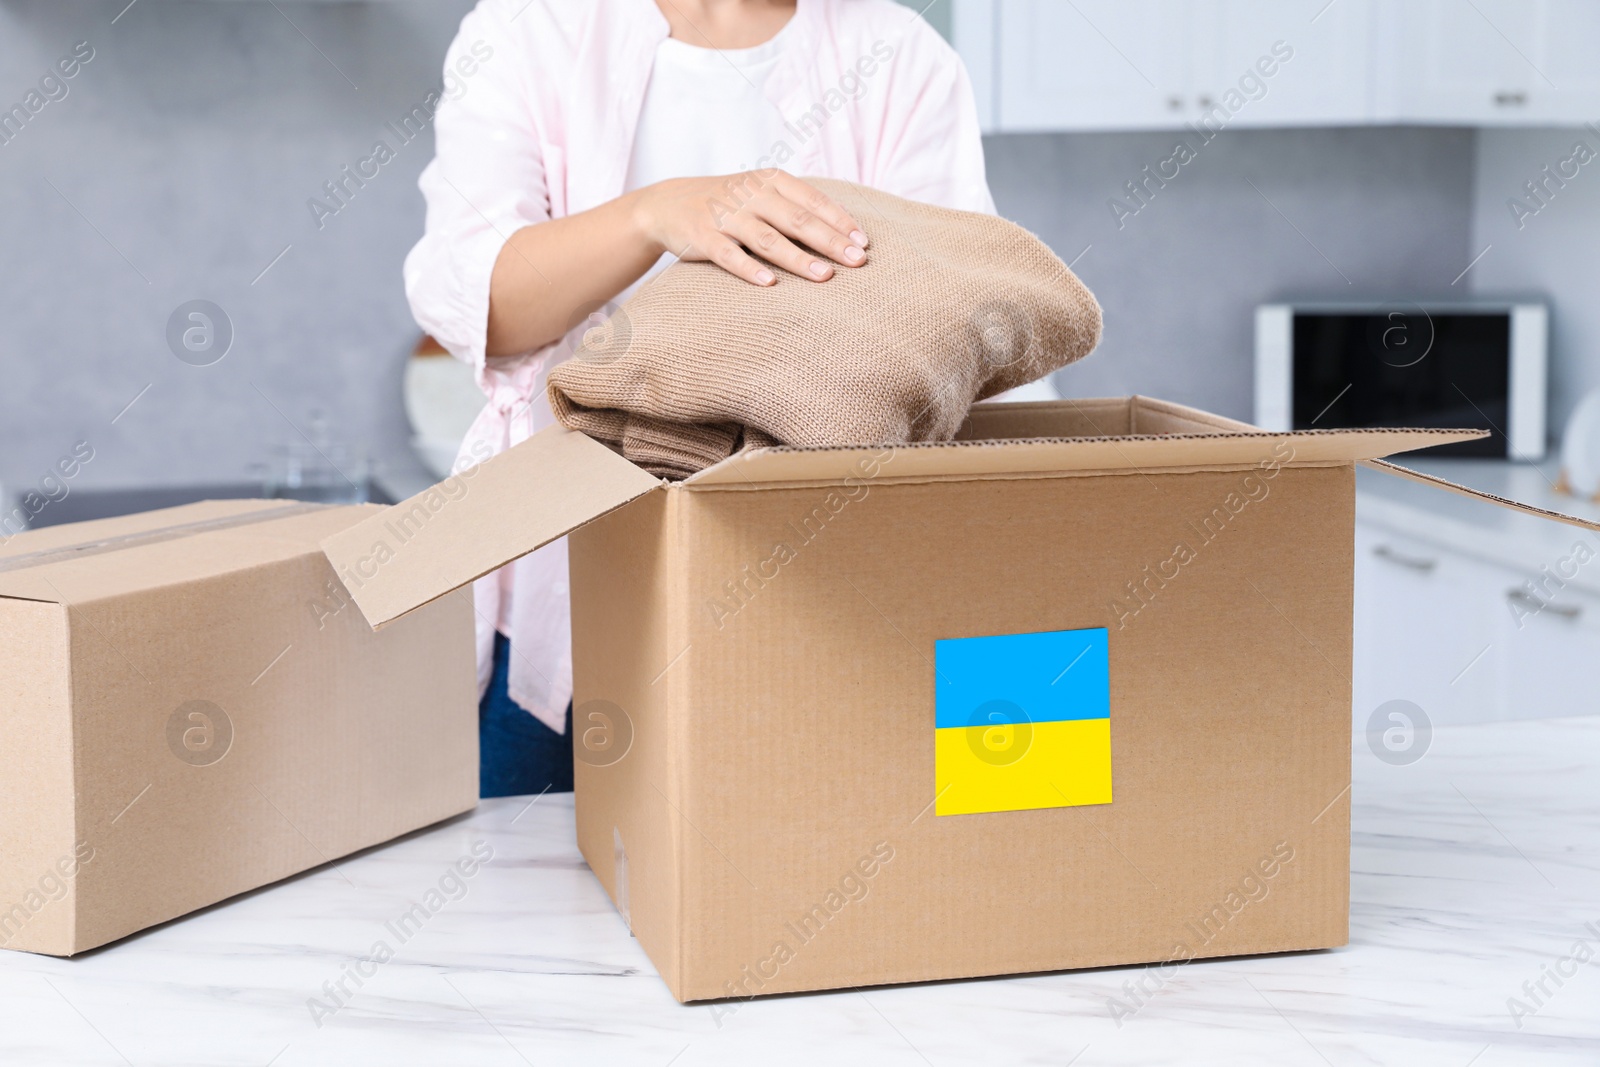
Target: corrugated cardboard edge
[[37, 778], [1407, 473], [1106, 416], [930, 975], [480, 519], [678, 747], [1063, 456], [559, 480], [1159, 413], [628, 578]]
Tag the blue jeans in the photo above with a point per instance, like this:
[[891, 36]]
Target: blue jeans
[[518, 754]]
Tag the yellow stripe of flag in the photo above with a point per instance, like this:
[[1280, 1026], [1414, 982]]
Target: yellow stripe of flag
[[1022, 766]]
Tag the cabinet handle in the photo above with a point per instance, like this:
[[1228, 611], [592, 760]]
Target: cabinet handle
[[1416, 563], [1570, 612], [1510, 99], [1174, 103], [1204, 100]]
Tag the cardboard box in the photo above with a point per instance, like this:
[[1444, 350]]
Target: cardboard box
[[828, 728], [192, 710]]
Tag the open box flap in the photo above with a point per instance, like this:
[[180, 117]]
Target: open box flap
[[1116, 416], [1477, 494], [480, 519], [558, 480], [1001, 457]]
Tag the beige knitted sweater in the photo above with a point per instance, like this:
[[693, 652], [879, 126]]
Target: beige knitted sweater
[[951, 307]]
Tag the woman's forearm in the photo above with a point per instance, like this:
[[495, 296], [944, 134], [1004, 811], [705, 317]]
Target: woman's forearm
[[549, 276]]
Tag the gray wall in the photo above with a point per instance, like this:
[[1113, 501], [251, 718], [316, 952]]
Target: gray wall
[[192, 140], [1553, 253], [1337, 213], [190, 144]]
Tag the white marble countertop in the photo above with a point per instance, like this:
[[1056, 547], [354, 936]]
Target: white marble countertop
[[1475, 870]]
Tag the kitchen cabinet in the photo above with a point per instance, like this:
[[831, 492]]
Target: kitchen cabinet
[[1041, 65], [1094, 64], [1496, 62], [1153, 64], [1425, 629], [1465, 638], [1327, 81], [1456, 66], [1551, 650]]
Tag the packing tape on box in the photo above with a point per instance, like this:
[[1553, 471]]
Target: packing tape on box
[[83, 549]]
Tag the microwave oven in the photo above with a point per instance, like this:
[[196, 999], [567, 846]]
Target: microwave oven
[[1472, 364]]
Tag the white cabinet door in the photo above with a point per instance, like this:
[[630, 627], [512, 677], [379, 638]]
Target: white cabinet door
[[1425, 630], [1158, 64], [1552, 643], [1469, 641], [1153, 64], [1093, 64], [1285, 62], [1452, 64], [1494, 62], [1565, 88]]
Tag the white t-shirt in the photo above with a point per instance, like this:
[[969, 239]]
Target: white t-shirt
[[704, 113]]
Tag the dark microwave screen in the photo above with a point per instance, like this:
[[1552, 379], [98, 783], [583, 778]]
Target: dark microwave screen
[[1405, 369]]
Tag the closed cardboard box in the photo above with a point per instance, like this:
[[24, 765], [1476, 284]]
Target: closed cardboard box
[[1071, 691], [192, 709]]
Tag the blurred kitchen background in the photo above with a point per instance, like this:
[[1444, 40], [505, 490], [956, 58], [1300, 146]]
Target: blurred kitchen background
[[1379, 163]]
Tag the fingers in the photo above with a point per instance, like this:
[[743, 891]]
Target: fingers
[[818, 203], [768, 221], [802, 224], [786, 222], [756, 234], [725, 252]]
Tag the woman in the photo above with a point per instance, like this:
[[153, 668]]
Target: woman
[[586, 143]]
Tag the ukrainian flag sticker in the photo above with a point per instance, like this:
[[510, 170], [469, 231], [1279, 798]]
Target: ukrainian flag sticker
[[1022, 721]]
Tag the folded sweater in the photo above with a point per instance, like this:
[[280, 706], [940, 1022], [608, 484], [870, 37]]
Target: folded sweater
[[950, 307]]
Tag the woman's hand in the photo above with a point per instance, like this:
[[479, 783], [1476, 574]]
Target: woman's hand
[[771, 213], [550, 275]]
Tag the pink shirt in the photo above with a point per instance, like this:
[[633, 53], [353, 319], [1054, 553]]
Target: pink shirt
[[538, 121]]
